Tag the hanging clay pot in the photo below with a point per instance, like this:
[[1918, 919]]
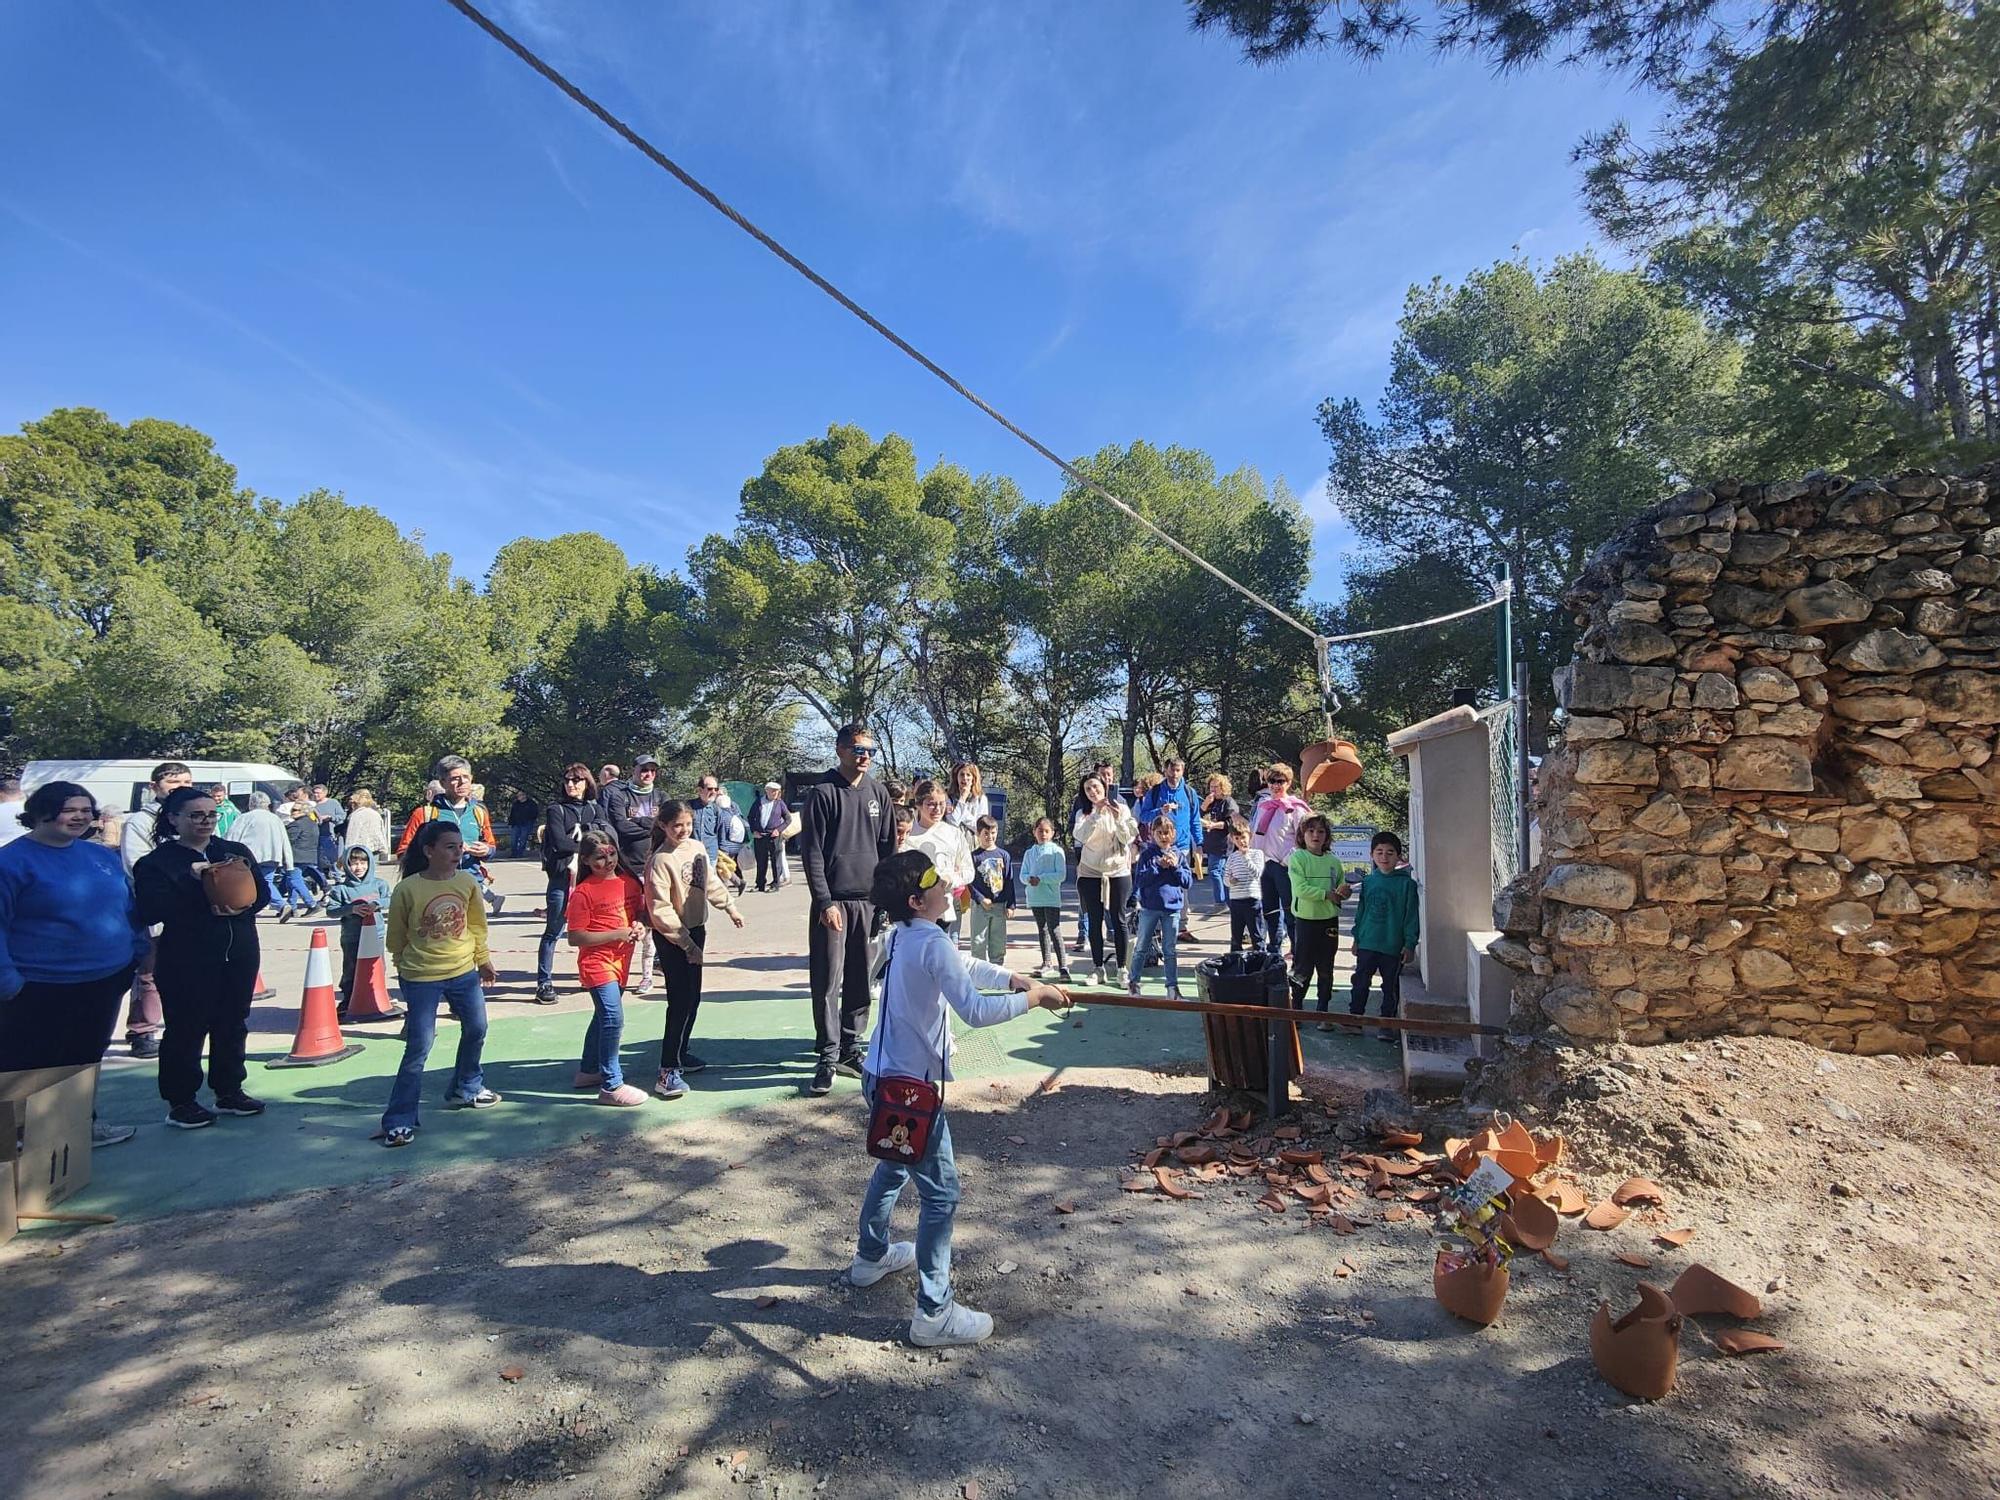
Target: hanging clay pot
[[1329, 766], [1638, 1353], [1469, 1287]]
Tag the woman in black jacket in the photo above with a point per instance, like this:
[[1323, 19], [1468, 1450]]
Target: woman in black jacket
[[207, 964], [572, 810]]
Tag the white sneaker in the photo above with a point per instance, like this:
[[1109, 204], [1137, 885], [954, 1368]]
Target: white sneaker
[[900, 1256], [954, 1323]]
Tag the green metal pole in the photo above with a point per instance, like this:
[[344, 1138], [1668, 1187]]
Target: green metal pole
[[1504, 637]]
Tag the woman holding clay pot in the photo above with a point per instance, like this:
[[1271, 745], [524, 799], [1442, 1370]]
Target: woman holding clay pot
[[194, 885]]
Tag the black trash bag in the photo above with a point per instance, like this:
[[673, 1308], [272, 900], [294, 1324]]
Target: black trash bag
[[1243, 979]]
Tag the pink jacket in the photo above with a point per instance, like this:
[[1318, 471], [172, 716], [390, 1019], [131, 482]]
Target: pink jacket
[[1274, 825]]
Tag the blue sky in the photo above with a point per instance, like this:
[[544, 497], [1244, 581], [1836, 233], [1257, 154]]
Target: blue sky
[[366, 249]]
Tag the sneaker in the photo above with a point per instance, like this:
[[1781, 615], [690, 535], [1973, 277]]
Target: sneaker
[[692, 1064], [545, 994], [953, 1323], [484, 1099], [1172, 993], [1189, 937], [850, 1065], [642, 986], [285, 915], [102, 1134], [1327, 1026], [238, 1103], [671, 1085], [1386, 1036], [625, 1096], [145, 1045], [587, 1080], [1040, 971], [497, 903], [1063, 976], [401, 1135], [900, 1256], [1079, 946], [1132, 987], [822, 1080], [190, 1116]]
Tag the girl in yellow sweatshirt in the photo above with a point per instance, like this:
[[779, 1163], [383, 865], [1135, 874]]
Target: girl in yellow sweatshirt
[[437, 937], [681, 885]]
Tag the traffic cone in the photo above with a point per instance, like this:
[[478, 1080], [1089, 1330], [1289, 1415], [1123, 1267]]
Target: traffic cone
[[368, 996], [263, 991], [318, 1040]]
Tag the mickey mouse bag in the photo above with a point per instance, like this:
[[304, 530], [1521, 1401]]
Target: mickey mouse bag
[[906, 1109]]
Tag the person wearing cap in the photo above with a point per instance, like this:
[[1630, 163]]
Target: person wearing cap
[[768, 819], [630, 808]]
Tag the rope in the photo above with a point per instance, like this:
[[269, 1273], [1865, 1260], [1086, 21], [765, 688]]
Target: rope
[[1506, 592], [702, 191]]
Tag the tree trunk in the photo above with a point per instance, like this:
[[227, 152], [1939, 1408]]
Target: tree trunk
[[1130, 731]]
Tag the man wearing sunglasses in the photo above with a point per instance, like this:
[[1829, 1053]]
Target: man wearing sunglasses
[[845, 830]]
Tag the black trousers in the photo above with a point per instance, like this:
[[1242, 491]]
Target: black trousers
[[837, 966], [1048, 932], [767, 863], [60, 1025], [1245, 921], [206, 1004], [1367, 964], [1314, 940], [1101, 913], [683, 977]]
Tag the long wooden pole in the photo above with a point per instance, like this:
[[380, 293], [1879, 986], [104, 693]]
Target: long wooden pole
[[1278, 1013]]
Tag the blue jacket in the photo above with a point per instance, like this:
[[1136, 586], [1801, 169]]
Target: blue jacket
[[66, 915], [708, 825], [345, 889], [1160, 888], [1186, 814]]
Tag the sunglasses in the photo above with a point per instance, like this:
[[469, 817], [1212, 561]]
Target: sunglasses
[[861, 752]]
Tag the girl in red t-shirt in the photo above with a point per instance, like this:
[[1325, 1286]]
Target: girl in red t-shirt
[[607, 913]]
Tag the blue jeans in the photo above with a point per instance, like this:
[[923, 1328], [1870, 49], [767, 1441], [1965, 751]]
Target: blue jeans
[[423, 996], [291, 886], [600, 1038], [557, 901], [521, 836], [937, 1203], [1167, 924], [1215, 864], [1278, 906]]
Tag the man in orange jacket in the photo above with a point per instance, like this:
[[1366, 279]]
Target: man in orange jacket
[[457, 803]]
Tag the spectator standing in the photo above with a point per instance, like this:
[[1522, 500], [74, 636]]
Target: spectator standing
[[1077, 808], [70, 939], [522, 815], [571, 813], [846, 829], [1387, 924], [769, 819], [144, 1017], [332, 820], [680, 887], [1173, 799], [205, 961], [1218, 811], [457, 803], [366, 826], [356, 889], [1043, 869], [1274, 828], [630, 808], [708, 816], [11, 826], [1162, 878], [946, 843], [733, 838], [969, 802], [606, 913], [1243, 884], [992, 892], [226, 809], [606, 775], [1318, 886], [1104, 832]]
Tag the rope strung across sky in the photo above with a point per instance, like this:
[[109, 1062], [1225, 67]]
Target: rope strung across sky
[[714, 200]]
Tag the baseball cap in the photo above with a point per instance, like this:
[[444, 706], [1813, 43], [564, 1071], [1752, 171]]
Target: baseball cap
[[647, 760], [772, 786]]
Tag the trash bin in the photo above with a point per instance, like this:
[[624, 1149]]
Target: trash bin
[[1239, 1048]]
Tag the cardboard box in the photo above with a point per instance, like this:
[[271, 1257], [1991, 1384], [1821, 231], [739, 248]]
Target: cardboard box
[[47, 1121]]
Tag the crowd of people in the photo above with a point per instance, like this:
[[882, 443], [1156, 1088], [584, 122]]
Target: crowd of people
[[910, 896]]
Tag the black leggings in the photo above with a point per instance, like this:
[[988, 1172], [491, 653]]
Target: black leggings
[[1048, 932], [683, 976], [1314, 940], [1090, 890]]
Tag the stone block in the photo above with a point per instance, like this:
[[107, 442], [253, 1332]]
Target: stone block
[[1581, 1011], [1830, 603], [1889, 651], [1618, 763], [1849, 918], [1683, 877], [1752, 607], [1688, 771], [1714, 690], [1813, 883], [1880, 783], [1648, 926], [1760, 764], [1940, 838], [1604, 886], [1962, 697], [1588, 727], [1965, 888], [1586, 927], [1663, 816], [1766, 685], [1879, 708], [1595, 687], [1882, 1038], [1874, 836], [1635, 641]]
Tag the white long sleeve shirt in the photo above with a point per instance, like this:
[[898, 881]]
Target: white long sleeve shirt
[[925, 973], [949, 849]]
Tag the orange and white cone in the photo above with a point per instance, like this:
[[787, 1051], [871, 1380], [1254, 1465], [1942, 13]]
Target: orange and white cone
[[318, 1040], [368, 996]]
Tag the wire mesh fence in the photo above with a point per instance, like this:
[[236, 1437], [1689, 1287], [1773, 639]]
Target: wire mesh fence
[[1503, 779]]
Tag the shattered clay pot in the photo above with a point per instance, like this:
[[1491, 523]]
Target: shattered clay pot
[[1639, 1352], [1469, 1287], [1531, 1223], [1699, 1291]]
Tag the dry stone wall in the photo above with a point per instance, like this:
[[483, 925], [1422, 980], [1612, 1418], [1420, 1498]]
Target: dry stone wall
[[1776, 807]]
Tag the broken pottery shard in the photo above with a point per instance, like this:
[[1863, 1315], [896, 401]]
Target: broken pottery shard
[[1700, 1290], [1606, 1216], [1217, 1121], [1637, 1190], [1273, 1202], [1568, 1198], [1287, 1133], [512, 1373], [1300, 1158], [1137, 1184], [1319, 1174], [1534, 1222], [1194, 1156], [1153, 1158], [1168, 1185], [1639, 1351], [1395, 1215], [1745, 1341], [1065, 1206], [1559, 1262], [1341, 1224], [1626, 1257], [1402, 1138], [1674, 1237]]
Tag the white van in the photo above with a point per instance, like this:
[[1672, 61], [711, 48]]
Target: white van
[[123, 785]]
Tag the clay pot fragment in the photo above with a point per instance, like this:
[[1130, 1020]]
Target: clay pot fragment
[[1138, 1184], [1153, 1158], [1637, 1190], [1606, 1216], [1531, 1223], [1402, 1138], [1168, 1185], [1699, 1290], [1557, 1262], [1194, 1156], [1217, 1121], [1319, 1174], [1395, 1215], [1628, 1258], [1273, 1202], [1300, 1158], [1746, 1341], [1674, 1237], [1568, 1198], [1341, 1224], [1549, 1149], [1639, 1352], [1287, 1133], [1469, 1287]]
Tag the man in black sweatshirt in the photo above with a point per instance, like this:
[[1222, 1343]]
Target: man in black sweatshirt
[[845, 829]]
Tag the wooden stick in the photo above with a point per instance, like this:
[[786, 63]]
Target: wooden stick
[[1276, 1013], [69, 1218]]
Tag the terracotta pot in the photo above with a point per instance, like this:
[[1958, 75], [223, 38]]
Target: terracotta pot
[[1700, 1291], [1329, 766], [231, 885], [1638, 1353], [1531, 1223], [1469, 1288]]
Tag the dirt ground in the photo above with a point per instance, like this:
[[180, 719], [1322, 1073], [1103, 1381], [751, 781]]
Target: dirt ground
[[674, 1310]]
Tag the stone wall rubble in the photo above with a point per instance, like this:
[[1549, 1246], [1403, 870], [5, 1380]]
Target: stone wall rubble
[[1775, 807]]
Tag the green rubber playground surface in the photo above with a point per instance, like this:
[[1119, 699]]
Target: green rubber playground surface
[[758, 1046]]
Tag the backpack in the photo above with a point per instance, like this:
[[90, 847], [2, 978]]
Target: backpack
[[735, 831]]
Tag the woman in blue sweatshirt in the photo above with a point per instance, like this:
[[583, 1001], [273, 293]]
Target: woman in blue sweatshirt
[[69, 935]]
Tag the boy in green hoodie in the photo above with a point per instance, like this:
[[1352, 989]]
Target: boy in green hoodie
[[1385, 927]]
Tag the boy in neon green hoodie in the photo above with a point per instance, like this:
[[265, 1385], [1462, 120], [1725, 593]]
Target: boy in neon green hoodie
[[1318, 887], [1386, 925]]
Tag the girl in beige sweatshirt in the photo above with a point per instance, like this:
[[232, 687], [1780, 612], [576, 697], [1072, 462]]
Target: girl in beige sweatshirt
[[681, 885]]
